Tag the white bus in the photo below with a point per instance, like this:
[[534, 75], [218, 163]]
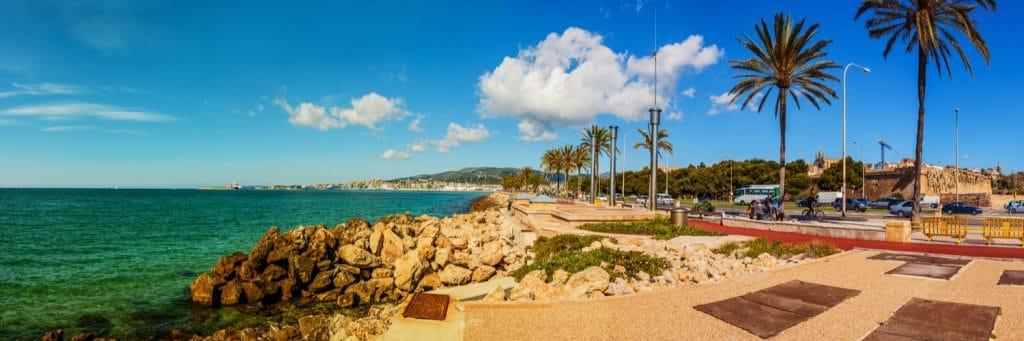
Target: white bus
[[745, 195]]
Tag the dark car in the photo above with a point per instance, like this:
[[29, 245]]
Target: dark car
[[884, 203], [802, 202], [960, 208], [851, 205]]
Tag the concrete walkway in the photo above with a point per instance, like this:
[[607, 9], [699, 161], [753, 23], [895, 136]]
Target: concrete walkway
[[669, 314]]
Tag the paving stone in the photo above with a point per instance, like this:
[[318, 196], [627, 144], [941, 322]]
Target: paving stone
[[1012, 277], [767, 312], [936, 271], [936, 320], [924, 259]]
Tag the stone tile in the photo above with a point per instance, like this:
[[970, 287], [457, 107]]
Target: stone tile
[[1012, 277], [822, 295], [936, 320], [935, 271], [756, 318], [924, 259]]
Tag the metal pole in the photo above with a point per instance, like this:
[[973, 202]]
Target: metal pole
[[624, 138], [593, 168], [845, 69], [956, 149], [614, 131], [653, 193]]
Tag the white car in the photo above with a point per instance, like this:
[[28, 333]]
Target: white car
[[665, 199], [903, 209], [1015, 206]]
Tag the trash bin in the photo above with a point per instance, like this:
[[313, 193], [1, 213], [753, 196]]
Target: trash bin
[[678, 216]]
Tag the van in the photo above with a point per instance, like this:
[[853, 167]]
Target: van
[[827, 198], [931, 201]]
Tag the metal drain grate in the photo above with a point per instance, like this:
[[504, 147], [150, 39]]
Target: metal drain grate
[[427, 307]]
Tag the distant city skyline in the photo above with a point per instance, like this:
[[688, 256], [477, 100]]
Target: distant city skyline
[[185, 94]]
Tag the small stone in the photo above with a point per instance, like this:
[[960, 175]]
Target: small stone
[[619, 269], [482, 273], [583, 283], [643, 276], [495, 295], [357, 257], [559, 276], [455, 275]]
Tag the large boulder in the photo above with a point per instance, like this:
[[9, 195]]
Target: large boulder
[[343, 279], [533, 286], [301, 268], [274, 272], [482, 273], [322, 281], [315, 327], [393, 247], [231, 293], [225, 268], [357, 257], [408, 270], [203, 290], [590, 282], [258, 254], [455, 275], [492, 254]]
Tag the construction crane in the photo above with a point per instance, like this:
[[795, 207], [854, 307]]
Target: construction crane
[[882, 145]]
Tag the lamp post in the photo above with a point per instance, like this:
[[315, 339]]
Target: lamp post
[[956, 149], [863, 173], [847, 68], [624, 138], [614, 131], [593, 166], [653, 192]]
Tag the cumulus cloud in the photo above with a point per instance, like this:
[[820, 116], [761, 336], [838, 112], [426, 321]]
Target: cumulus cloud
[[366, 111], [419, 146], [720, 103], [689, 92], [40, 89], [675, 116], [415, 124], [570, 78], [457, 135], [73, 110], [392, 154]]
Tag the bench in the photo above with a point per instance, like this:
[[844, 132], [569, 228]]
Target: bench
[[1005, 228], [955, 227]]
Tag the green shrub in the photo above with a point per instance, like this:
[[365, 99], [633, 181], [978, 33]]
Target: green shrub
[[726, 248], [814, 248], [704, 206], [660, 227], [545, 247], [575, 261]]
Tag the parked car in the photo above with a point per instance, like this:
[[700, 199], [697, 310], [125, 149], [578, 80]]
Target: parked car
[[801, 202], [903, 209], [664, 199], [1015, 206], [960, 208], [884, 203], [851, 205], [826, 198], [641, 200], [863, 201], [930, 201]]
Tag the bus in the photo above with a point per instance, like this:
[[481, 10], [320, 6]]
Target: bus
[[745, 195]]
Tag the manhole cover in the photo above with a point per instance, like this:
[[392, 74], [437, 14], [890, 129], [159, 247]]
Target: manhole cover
[[943, 272], [921, 319], [427, 307], [1012, 277]]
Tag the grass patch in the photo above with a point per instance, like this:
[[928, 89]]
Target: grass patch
[[660, 227], [814, 248], [726, 248], [565, 252]]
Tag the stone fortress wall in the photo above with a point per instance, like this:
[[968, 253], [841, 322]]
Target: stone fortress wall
[[975, 187]]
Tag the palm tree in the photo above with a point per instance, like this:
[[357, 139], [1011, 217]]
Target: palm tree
[[604, 142], [663, 143], [549, 162], [928, 27], [580, 158], [786, 58]]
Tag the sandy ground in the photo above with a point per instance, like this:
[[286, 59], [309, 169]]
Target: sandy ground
[[668, 314]]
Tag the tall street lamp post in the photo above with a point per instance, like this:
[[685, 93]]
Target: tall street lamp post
[[956, 149], [653, 192], [593, 166], [847, 68], [624, 138], [614, 131]]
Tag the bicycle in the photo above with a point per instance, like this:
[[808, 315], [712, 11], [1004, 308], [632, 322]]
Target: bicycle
[[812, 213]]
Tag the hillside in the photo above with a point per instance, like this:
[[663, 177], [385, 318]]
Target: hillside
[[475, 175]]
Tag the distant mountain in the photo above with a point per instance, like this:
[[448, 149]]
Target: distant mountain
[[474, 175]]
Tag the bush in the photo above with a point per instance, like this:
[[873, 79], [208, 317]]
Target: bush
[[814, 248], [575, 261], [726, 248], [660, 227], [545, 247], [704, 206]]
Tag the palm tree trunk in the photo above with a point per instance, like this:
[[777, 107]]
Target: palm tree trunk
[[922, 63], [579, 181], [782, 147]]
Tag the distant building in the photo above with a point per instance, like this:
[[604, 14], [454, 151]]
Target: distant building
[[820, 164]]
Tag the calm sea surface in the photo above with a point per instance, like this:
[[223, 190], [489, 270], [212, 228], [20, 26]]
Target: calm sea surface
[[120, 261]]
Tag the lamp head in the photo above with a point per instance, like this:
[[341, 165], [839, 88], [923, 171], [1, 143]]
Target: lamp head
[[614, 130], [867, 70]]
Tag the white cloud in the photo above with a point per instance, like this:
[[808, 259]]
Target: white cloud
[[720, 103], [57, 129], [366, 111], [419, 146], [689, 92], [570, 78], [73, 110], [415, 124], [675, 116], [458, 135], [392, 154], [40, 89]]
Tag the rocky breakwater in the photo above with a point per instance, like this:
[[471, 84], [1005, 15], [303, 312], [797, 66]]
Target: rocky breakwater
[[358, 263]]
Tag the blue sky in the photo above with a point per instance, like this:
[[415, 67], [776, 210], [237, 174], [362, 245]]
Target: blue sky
[[181, 94]]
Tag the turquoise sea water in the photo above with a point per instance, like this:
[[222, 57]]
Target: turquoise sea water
[[120, 260]]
